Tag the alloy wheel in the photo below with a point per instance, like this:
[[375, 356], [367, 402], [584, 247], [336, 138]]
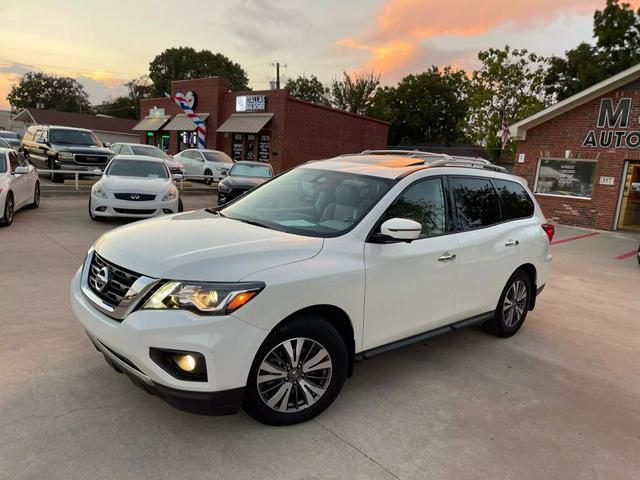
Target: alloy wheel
[[294, 375], [515, 303], [36, 196], [8, 210]]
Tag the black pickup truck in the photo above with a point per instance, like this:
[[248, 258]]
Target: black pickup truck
[[64, 148]]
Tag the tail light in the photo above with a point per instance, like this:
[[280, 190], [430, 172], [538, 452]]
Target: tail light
[[550, 230]]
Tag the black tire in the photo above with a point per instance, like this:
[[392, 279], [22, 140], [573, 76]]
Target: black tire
[[511, 315], [54, 177], [36, 196], [9, 211], [180, 205], [93, 217], [316, 334], [208, 181]]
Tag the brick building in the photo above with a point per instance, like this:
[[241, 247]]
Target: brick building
[[581, 156], [270, 126]]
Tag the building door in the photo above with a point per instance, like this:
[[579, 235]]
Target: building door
[[629, 213]]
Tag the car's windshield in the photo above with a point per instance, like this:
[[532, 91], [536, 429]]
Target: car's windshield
[[72, 137], [217, 157], [149, 152], [137, 168], [249, 170], [311, 202]]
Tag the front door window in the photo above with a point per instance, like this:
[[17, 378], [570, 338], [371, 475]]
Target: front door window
[[629, 217]]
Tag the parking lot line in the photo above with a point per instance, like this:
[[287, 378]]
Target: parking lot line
[[624, 256], [577, 237]]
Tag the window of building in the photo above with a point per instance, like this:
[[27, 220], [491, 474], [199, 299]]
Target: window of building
[[424, 203], [187, 140], [516, 202], [569, 178], [476, 202]]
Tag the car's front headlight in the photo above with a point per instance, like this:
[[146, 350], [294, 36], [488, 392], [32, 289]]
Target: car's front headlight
[[65, 155], [223, 188], [203, 298], [171, 194], [98, 191]]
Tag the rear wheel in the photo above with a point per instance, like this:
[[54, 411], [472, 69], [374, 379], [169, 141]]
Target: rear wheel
[[209, 180], [9, 210], [513, 306], [297, 373], [180, 206], [36, 196]]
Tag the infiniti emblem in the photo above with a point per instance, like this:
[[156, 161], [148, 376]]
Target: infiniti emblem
[[103, 278], [135, 197]]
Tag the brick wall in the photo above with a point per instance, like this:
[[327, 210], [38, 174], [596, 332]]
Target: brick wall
[[567, 132]]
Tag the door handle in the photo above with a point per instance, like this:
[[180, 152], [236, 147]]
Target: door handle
[[447, 256], [511, 243]]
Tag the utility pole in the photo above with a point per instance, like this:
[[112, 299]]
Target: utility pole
[[278, 65]]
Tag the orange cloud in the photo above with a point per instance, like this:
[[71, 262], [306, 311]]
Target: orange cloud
[[402, 25]]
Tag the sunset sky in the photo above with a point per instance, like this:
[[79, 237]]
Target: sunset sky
[[106, 43]]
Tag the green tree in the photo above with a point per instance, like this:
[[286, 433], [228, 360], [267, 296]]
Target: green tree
[[355, 94], [616, 29], [308, 88], [56, 93], [128, 106], [508, 85], [424, 108], [185, 62]]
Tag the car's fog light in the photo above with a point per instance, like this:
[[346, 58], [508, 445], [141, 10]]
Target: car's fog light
[[167, 211], [101, 209], [183, 365], [185, 362]]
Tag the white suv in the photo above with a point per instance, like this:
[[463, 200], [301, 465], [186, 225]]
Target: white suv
[[268, 301]]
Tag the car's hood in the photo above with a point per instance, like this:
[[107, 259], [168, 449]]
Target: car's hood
[[243, 182], [88, 149], [201, 246], [134, 184]]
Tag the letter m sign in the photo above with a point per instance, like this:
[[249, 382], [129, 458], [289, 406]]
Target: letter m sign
[[614, 117]]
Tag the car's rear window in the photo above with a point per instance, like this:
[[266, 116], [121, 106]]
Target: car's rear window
[[516, 202]]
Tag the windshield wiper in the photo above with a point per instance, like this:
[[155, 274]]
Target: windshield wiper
[[256, 223]]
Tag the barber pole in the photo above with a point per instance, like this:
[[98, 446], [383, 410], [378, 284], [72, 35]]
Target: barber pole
[[183, 103], [505, 133]]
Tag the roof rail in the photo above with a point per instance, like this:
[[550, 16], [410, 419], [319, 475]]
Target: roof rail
[[469, 164], [406, 153]]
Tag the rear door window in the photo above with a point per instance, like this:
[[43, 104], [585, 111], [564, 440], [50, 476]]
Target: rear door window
[[516, 202], [476, 202]]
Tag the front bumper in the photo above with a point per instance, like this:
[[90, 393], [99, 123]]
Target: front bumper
[[110, 207], [227, 343]]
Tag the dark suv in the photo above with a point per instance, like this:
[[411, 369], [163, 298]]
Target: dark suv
[[64, 148]]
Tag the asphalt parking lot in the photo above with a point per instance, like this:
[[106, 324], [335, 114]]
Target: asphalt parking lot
[[558, 400]]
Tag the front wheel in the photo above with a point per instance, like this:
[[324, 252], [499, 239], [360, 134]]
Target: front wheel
[[513, 306], [297, 373], [36, 196], [9, 210], [54, 177]]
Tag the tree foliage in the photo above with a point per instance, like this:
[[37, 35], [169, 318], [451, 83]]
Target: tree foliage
[[424, 108], [616, 29], [128, 106], [56, 93], [354, 94], [185, 62], [308, 88], [508, 85]]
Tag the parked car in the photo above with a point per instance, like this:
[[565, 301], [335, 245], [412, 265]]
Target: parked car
[[175, 167], [268, 302], [64, 148], [134, 187], [205, 162], [242, 177], [19, 185], [12, 138]]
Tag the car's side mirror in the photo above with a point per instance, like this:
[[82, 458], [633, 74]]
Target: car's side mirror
[[96, 171], [40, 141], [401, 229], [107, 144], [224, 173], [21, 170]]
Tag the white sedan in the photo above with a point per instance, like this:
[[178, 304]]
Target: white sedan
[[19, 185], [134, 187], [205, 162], [137, 149]]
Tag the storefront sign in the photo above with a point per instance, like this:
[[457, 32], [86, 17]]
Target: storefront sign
[[251, 103], [607, 181], [612, 126], [263, 148]]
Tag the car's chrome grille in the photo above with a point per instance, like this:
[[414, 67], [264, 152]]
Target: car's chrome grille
[[120, 281], [135, 197], [91, 159], [134, 211]]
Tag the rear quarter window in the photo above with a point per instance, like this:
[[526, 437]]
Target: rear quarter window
[[476, 202], [516, 202]]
